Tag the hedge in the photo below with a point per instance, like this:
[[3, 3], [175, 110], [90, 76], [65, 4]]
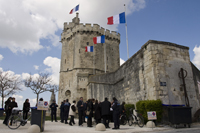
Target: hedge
[[128, 107], [150, 105]]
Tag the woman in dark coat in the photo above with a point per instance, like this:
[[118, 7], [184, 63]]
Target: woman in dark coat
[[90, 108], [26, 108], [97, 115], [6, 110]]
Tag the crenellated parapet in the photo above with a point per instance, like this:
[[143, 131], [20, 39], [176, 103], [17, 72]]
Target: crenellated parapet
[[70, 30]]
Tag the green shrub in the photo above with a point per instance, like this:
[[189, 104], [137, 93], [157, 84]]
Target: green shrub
[[150, 105], [128, 107]]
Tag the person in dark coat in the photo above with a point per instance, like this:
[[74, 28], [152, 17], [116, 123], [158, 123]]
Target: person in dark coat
[[66, 111], [105, 112], [97, 114], [80, 111], [116, 113], [26, 108], [6, 110], [53, 107], [90, 109], [10, 107], [122, 108], [62, 111], [84, 112]]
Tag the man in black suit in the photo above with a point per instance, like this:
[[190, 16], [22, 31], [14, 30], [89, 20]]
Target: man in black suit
[[80, 111], [53, 107], [105, 112]]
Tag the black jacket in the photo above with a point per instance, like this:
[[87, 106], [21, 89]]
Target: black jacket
[[97, 114], [116, 107], [90, 108], [79, 105], [7, 104], [53, 107], [11, 106], [26, 106], [105, 108]]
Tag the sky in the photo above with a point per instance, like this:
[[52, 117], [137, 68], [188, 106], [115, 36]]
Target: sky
[[30, 31]]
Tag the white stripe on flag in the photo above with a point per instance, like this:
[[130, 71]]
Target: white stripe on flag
[[99, 39], [116, 19], [89, 49]]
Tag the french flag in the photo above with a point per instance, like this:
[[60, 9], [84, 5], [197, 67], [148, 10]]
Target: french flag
[[74, 9], [89, 49], [99, 39], [117, 19]]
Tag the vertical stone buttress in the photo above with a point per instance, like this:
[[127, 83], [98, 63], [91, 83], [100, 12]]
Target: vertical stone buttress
[[77, 65]]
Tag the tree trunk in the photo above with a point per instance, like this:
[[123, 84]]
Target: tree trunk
[[37, 98], [2, 100]]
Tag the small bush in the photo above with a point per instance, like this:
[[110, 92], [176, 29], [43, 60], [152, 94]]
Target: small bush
[[150, 105], [128, 107]]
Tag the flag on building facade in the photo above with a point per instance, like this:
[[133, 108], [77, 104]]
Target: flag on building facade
[[117, 19], [99, 39], [89, 49], [74, 9]]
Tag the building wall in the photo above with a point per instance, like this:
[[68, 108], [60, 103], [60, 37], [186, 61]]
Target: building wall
[[139, 78]]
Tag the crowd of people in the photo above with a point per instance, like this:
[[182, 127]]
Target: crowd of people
[[101, 111]]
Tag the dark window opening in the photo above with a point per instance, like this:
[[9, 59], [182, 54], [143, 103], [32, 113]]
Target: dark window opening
[[79, 50], [87, 43], [65, 61]]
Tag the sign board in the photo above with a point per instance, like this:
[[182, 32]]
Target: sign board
[[42, 105], [152, 115], [163, 84]]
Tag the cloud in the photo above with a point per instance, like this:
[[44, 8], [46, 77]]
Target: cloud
[[1, 57], [121, 61], [36, 67], [196, 59], [53, 64], [31, 20]]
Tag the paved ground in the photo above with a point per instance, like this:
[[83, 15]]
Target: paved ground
[[57, 127]]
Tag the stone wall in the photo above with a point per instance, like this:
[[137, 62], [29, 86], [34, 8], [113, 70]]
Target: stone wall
[[139, 78]]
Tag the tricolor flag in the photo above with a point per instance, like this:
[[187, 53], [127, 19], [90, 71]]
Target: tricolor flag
[[89, 49], [74, 9], [99, 39], [117, 19]]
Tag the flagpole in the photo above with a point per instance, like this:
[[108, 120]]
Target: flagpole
[[93, 61], [126, 32], [105, 52]]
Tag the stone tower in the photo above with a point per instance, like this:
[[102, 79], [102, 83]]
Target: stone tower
[[77, 65]]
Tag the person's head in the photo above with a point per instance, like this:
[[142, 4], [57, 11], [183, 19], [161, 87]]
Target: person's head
[[54, 101], [13, 99], [10, 98], [27, 100], [93, 100], [61, 102], [96, 101], [74, 101], [123, 103], [67, 100], [114, 99], [41, 99], [106, 99], [64, 101], [81, 98]]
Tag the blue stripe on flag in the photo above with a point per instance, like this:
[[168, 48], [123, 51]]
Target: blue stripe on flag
[[103, 39], [122, 18], [77, 8], [91, 48]]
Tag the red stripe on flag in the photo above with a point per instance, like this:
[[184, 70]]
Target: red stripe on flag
[[110, 20], [71, 11], [85, 49], [95, 40]]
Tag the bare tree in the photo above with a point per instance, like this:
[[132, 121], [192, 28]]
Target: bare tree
[[39, 84], [9, 84]]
